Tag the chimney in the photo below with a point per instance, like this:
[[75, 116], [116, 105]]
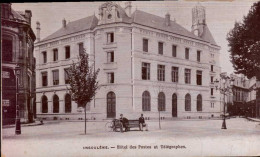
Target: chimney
[[128, 8], [28, 16], [38, 28], [64, 23], [168, 19]]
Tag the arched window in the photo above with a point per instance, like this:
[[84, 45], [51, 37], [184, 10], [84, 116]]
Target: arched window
[[111, 105], [161, 101], [174, 105], [55, 104], [146, 101], [187, 102], [44, 104], [199, 103], [67, 103]]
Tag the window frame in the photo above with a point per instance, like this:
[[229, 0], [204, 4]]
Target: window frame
[[111, 77], [160, 72], [55, 82], [199, 79], [147, 67], [110, 57], [160, 47], [67, 52], [198, 55], [55, 54], [145, 45], [175, 74], [187, 76], [174, 53], [187, 53], [110, 37], [42, 74]]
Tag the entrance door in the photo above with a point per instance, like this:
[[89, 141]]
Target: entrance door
[[111, 105], [174, 105]]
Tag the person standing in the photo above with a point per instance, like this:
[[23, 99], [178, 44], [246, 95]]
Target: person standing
[[124, 122], [142, 123]]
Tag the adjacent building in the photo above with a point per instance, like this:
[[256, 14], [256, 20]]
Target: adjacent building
[[244, 98], [147, 64], [17, 44]]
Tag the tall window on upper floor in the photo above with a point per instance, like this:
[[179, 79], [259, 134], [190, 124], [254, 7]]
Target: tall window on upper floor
[[145, 45], [187, 53], [187, 76], [55, 54], [44, 79], [160, 48], [211, 79], [198, 56], [145, 71], [212, 68], [110, 77], [81, 48], [174, 50], [44, 55], [7, 50], [199, 77], [66, 76], [212, 91], [161, 72], [110, 37], [55, 74], [67, 52], [110, 56], [175, 74]]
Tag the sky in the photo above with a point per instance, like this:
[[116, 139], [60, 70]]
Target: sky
[[220, 16]]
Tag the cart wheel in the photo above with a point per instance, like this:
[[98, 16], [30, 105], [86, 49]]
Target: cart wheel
[[109, 126]]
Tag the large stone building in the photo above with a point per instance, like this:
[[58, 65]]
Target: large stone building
[[17, 44], [147, 63]]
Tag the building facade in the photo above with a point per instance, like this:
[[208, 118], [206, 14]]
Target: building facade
[[17, 42], [244, 98], [147, 64]]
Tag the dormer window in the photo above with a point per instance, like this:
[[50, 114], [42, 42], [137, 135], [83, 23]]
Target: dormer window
[[109, 16]]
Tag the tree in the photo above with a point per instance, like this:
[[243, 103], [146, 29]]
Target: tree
[[83, 82], [244, 43]]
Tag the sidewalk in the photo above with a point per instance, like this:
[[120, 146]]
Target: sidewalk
[[23, 125], [253, 119]]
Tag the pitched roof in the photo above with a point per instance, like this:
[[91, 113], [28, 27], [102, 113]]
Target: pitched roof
[[158, 22], [207, 36], [74, 27]]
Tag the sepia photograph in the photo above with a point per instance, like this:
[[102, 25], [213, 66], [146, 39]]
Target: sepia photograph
[[130, 78]]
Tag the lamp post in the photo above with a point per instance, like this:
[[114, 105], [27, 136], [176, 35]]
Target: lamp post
[[224, 85], [17, 71]]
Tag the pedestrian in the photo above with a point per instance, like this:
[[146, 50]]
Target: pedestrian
[[124, 123], [142, 123]]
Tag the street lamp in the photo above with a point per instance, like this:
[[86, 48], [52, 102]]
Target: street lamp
[[224, 85], [17, 71]]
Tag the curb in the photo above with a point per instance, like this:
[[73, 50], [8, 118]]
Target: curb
[[253, 119], [23, 125]]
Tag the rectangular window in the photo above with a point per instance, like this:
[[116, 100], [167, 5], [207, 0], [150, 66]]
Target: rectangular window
[[66, 76], [212, 79], [174, 50], [175, 74], [44, 54], [187, 76], [145, 71], [110, 56], [187, 51], [55, 74], [110, 77], [211, 68], [44, 79], [199, 77], [81, 48], [161, 72], [211, 91], [55, 54], [67, 52], [145, 45], [7, 49], [110, 37], [160, 48], [198, 56]]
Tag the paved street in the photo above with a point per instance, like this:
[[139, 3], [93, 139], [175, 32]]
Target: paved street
[[196, 137]]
